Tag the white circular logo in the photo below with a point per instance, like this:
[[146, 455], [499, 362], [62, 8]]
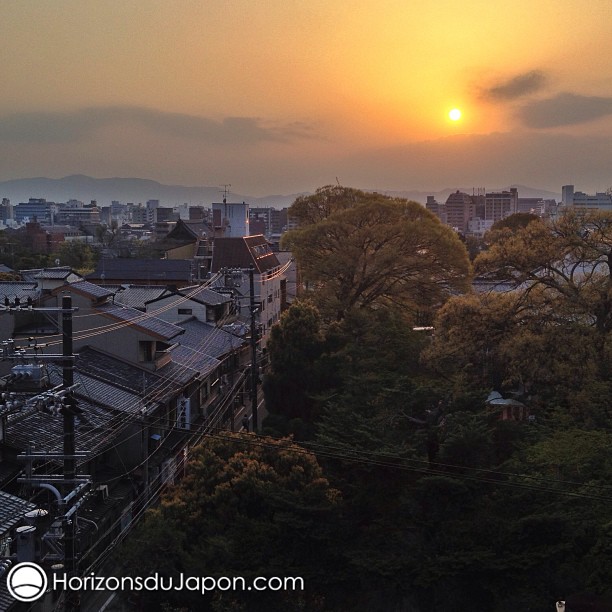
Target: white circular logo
[[27, 582]]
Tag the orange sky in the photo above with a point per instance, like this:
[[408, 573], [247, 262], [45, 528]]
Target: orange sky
[[286, 95]]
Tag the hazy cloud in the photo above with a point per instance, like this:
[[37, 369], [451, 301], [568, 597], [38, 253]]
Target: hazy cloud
[[518, 86], [80, 124], [539, 159], [542, 159], [565, 109]]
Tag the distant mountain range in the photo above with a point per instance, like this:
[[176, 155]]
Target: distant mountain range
[[104, 191]]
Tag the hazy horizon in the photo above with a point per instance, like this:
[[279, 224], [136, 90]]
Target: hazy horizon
[[287, 97]]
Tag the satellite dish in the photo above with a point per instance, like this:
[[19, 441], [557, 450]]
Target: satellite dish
[[57, 262]]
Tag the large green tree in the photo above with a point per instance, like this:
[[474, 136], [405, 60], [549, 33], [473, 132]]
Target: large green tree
[[248, 507], [564, 266], [364, 250], [301, 369]]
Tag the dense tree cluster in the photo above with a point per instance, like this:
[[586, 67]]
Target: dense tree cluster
[[362, 250], [425, 499]]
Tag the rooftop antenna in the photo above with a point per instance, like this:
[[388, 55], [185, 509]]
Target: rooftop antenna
[[225, 192]]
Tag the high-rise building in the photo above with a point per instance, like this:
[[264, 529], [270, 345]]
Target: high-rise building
[[436, 208], [6, 211], [567, 195], [35, 209], [459, 208], [501, 204], [585, 202]]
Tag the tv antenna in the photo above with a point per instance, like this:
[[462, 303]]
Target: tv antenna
[[225, 192]]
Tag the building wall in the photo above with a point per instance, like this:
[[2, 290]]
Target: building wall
[[459, 209], [501, 204], [268, 293], [233, 217], [176, 308]]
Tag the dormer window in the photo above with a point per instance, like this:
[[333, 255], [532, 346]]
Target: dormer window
[[146, 350]]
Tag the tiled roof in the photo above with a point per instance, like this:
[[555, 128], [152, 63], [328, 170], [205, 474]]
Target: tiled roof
[[208, 339], [158, 385], [109, 369], [146, 322], [137, 296], [205, 295], [12, 510], [190, 229], [20, 289], [146, 270], [6, 600], [88, 289], [54, 273], [45, 431], [242, 253], [101, 392]]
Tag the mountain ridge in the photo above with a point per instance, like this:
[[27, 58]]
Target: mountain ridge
[[105, 190]]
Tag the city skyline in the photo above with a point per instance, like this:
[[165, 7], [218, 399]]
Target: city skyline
[[284, 98]]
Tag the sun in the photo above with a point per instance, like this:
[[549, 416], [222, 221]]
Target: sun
[[454, 114]]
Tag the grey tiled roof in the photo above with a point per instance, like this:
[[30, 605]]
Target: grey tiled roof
[[34, 273], [100, 392], [6, 601], [137, 296], [90, 289], [111, 370], [208, 339], [12, 510], [54, 273], [45, 431], [197, 361], [146, 322], [20, 289], [205, 295], [159, 385], [145, 270]]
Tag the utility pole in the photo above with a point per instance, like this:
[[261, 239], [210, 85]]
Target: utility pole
[[58, 401], [68, 381], [254, 369], [71, 600]]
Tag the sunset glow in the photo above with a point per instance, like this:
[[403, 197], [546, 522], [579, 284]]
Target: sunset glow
[[284, 96]]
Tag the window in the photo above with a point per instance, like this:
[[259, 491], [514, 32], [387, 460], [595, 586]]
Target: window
[[146, 350], [185, 311]]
